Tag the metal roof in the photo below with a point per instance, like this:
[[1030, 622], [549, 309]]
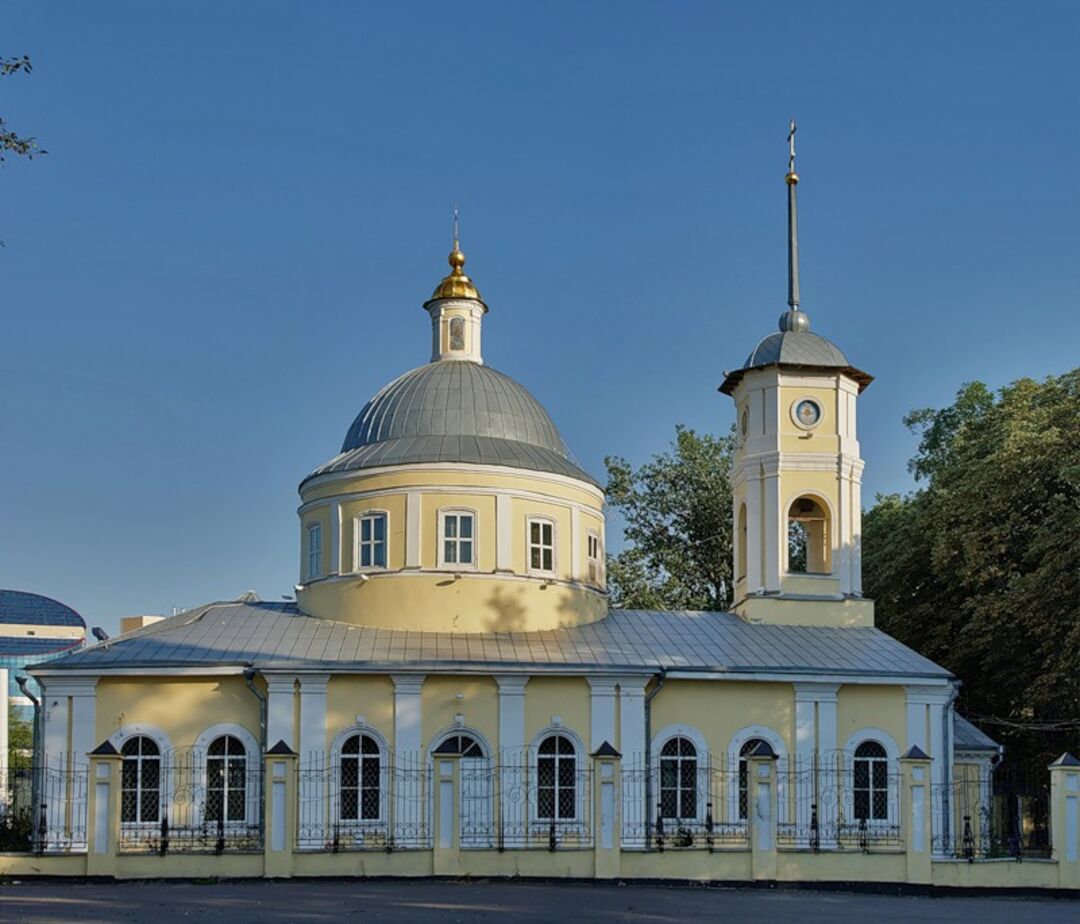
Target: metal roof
[[454, 411], [21, 608], [968, 737], [269, 635]]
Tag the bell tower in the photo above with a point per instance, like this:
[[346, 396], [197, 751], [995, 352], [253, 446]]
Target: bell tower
[[797, 471]]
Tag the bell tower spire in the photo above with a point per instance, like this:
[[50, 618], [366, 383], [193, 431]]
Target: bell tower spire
[[456, 310], [794, 319]]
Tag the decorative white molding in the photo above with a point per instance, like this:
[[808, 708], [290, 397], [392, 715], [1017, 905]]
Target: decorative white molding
[[602, 711], [413, 528]]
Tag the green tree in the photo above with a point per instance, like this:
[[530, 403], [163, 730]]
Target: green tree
[[677, 514], [20, 741], [10, 142], [979, 568]]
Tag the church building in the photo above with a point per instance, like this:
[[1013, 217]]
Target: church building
[[451, 693]]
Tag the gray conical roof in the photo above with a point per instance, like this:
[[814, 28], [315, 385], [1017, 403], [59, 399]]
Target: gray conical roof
[[455, 412]]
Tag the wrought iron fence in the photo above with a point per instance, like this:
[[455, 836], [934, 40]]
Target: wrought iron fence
[[683, 803], [839, 801], [43, 808], [992, 813], [363, 801], [191, 800]]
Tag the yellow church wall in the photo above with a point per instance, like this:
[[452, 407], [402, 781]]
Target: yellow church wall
[[479, 705], [569, 698], [181, 707], [348, 696], [870, 706], [718, 710], [393, 505], [440, 602]]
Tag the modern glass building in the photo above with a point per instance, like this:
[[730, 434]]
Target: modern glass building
[[33, 629]]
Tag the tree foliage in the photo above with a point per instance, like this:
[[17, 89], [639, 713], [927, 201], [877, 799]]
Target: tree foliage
[[10, 142], [979, 568], [677, 514]]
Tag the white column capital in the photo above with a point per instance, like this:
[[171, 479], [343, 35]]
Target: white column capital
[[70, 686], [812, 692], [408, 683], [512, 684], [314, 683], [928, 695], [280, 683], [603, 686]]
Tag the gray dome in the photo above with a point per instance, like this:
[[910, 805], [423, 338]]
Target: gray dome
[[454, 412], [796, 348]]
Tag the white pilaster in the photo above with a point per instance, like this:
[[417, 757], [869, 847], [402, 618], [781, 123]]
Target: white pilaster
[[312, 717], [775, 523], [407, 714], [504, 533], [754, 579], [575, 545], [335, 538], [413, 527], [57, 708], [512, 750], [281, 710], [602, 713], [815, 752], [632, 745]]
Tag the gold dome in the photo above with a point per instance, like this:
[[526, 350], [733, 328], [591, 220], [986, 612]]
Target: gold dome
[[457, 284]]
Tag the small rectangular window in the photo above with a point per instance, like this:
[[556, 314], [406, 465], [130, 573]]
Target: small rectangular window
[[314, 550], [594, 558], [457, 539], [371, 541], [541, 545]]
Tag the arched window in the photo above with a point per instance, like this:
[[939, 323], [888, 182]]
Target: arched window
[[678, 779], [476, 814], [871, 782], [359, 779], [140, 783], [744, 776], [808, 538], [556, 779], [226, 780]]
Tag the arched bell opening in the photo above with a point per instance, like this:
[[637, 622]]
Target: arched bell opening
[[809, 537]]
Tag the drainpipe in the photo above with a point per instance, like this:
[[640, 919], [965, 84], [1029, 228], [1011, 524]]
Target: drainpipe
[[38, 767], [947, 761], [649, 697], [249, 679]]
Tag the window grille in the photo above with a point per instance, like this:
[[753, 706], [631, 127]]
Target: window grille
[[226, 780], [556, 778], [140, 784], [678, 779], [871, 782], [360, 789]]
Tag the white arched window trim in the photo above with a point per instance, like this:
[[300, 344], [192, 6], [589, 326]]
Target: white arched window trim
[[776, 742], [892, 756], [253, 766], [167, 786], [578, 823], [360, 824], [704, 770]]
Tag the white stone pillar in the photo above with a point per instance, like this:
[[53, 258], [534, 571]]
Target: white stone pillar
[[816, 759], [313, 689], [575, 545], [408, 737], [57, 710]]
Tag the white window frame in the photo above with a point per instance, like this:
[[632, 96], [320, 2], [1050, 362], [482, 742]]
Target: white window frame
[[165, 789], [563, 826], [441, 538], [314, 550], [360, 828], [358, 543], [544, 521], [594, 568]]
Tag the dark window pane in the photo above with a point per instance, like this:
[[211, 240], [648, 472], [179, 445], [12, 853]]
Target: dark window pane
[[567, 771], [380, 529], [689, 803], [881, 774], [466, 527], [466, 553], [566, 803], [350, 773], [371, 772], [380, 555], [348, 804], [862, 774], [148, 805], [545, 802], [862, 804], [236, 805], [370, 745]]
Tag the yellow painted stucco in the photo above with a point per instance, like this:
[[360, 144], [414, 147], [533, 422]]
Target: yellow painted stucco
[[860, 706], [566, 699], [352, 695], [479, 706]]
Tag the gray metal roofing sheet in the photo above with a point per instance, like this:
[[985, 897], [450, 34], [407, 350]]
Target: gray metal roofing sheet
[[454, 411], [968, 737], [796, 348], [269, 634]]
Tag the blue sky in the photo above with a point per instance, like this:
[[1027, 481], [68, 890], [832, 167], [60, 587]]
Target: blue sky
[[244, 205]]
